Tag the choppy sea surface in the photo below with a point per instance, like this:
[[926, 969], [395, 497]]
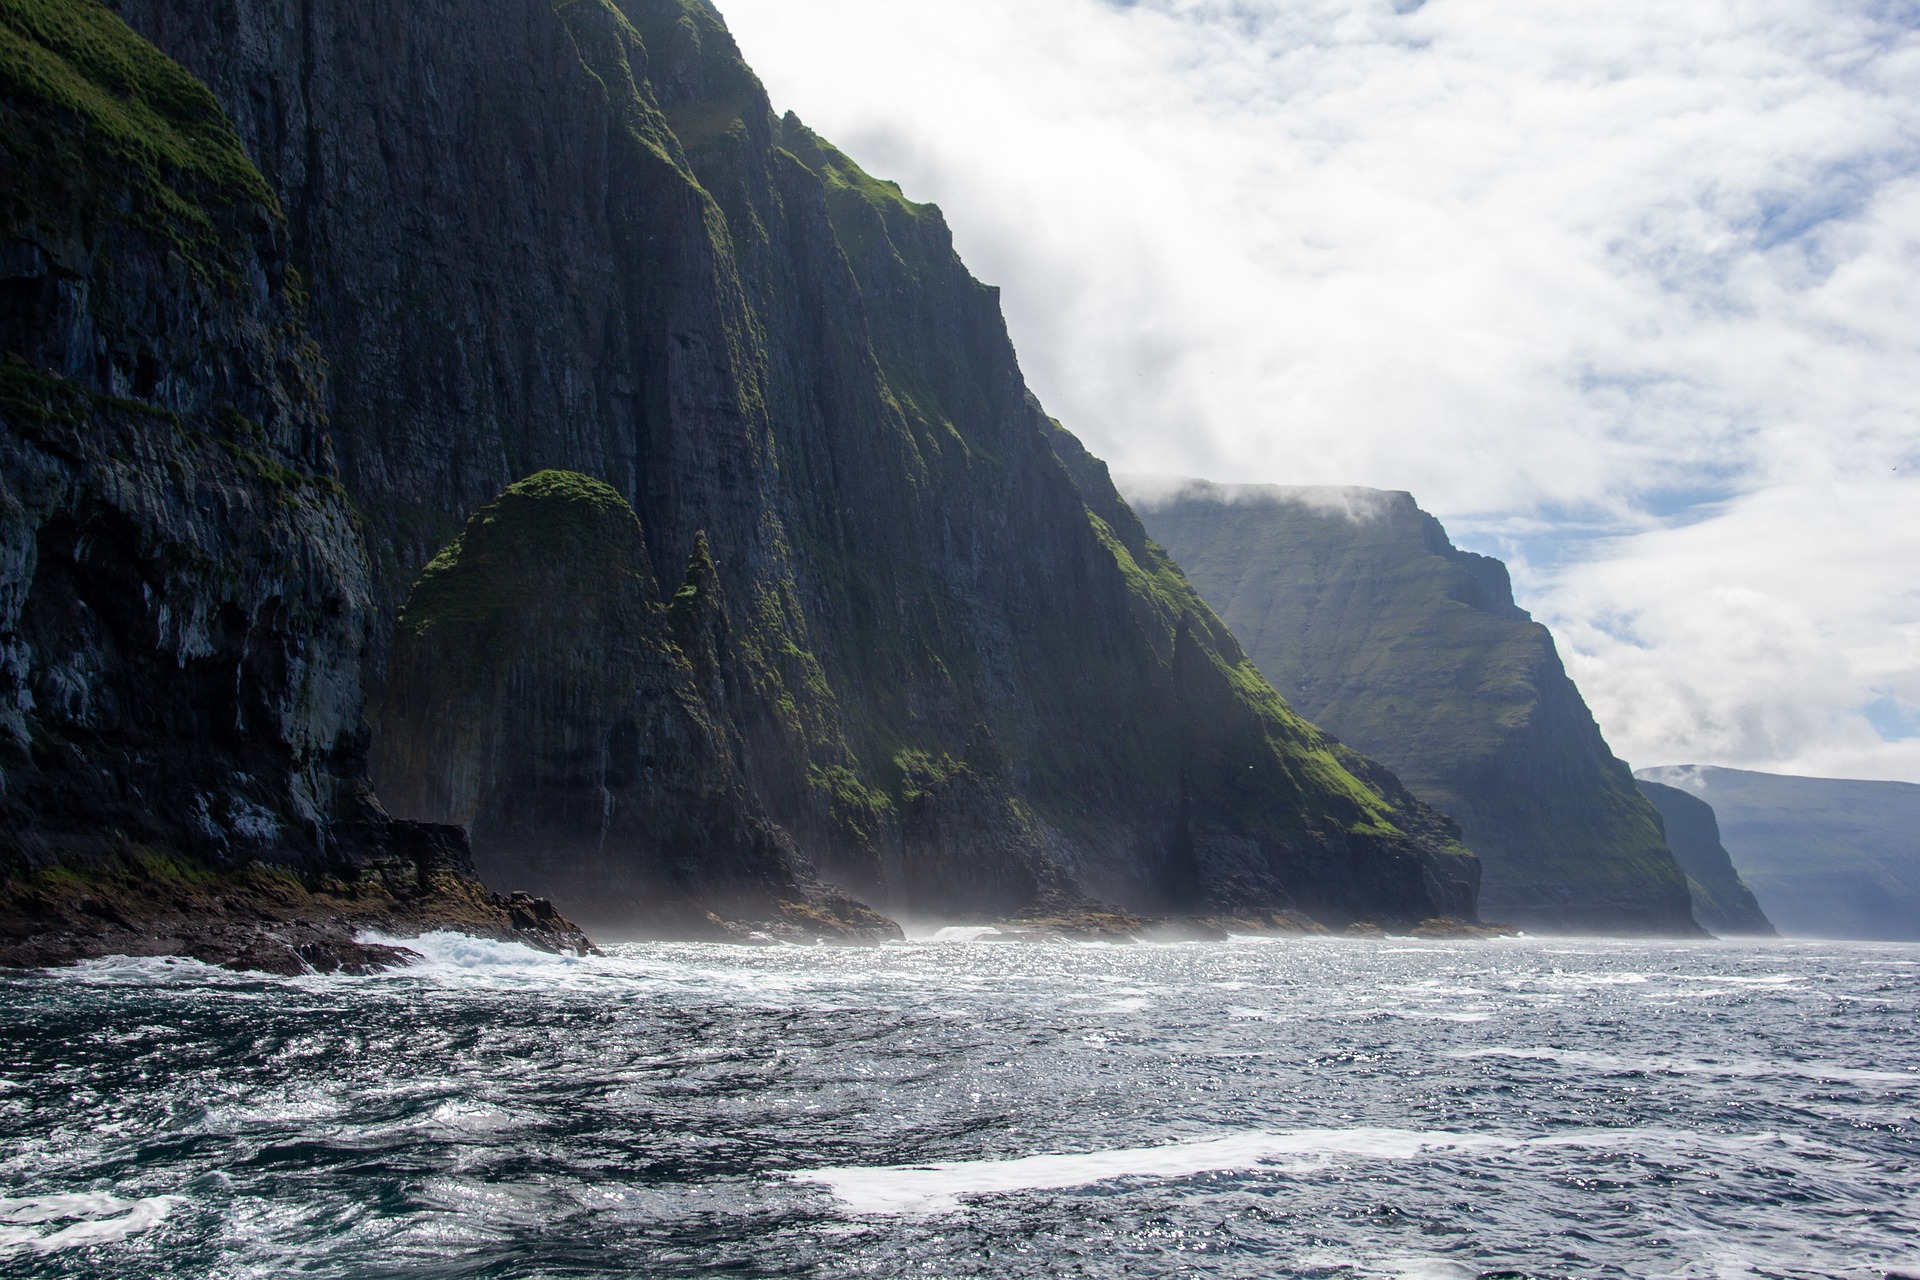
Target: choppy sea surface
[[944, 1108]]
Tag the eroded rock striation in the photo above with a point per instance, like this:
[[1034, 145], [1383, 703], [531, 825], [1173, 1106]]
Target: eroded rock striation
[[946, 663], [1358, 607], [184, 596]]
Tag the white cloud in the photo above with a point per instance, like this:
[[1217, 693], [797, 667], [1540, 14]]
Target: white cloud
[[1145, 491], [1756, 638], [1650, 264]]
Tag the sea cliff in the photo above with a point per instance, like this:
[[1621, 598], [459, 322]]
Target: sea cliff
[[934, 662], [1824, 857], [184, 596], [1722, 902], [1357, 606]]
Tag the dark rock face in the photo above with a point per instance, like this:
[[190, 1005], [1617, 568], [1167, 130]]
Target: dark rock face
[[1355, 604], [184, 598], [573, 235], [1825, 857], [546, 698], [1722, 902]]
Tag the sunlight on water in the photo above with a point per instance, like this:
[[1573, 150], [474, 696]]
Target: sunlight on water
[[958, 1106]]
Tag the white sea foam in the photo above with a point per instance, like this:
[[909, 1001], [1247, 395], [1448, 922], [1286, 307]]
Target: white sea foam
[[1435, 1015], [1767, 980], [937, 1188], [1696, 1067], [451, 951], [138, 970], [46, 1224], [1426, 1269], [959, 933]]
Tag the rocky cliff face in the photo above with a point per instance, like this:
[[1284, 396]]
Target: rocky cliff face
[[1722, 902], [1355, 604], [545, 697], [184, 598], [574, 235], [1825, 857]]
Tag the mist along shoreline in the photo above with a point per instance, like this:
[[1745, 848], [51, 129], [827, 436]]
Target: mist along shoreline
[[373, 943]]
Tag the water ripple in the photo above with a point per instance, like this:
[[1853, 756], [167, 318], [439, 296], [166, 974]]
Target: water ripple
[[958, 1107]]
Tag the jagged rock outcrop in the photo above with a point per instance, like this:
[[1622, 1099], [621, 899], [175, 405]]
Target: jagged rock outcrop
[[184, 597], [586, 242], [1722, 902], [1356, 605], [1825, 857]]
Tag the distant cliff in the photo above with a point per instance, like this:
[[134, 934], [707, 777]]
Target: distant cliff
[[1825, 857], [1359, 609], [184, 596], [1722, 902], [935, 651]]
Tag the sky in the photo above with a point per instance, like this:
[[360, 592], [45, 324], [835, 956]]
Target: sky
[[1627, 292]]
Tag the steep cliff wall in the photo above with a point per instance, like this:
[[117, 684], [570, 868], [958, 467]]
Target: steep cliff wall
[[184, 598], [574, 235], [1355, 604], [1722, 902], [545, 697], [1825, 857]]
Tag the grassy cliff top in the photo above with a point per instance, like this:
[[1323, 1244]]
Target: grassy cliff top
[[844, 177], [555, 537]]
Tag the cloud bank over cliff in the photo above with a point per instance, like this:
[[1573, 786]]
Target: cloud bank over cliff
[[1622, 291]]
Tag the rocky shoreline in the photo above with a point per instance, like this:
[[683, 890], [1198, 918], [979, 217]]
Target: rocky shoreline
[[266, 918]]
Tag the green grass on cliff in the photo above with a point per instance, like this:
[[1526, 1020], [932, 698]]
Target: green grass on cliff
[[1309, 766], [680, 32], [120, 100], [895, 245], [548, 537], [607, 43], [866, 211]]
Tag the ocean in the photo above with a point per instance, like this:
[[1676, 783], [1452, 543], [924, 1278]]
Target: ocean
[[960, 1107]]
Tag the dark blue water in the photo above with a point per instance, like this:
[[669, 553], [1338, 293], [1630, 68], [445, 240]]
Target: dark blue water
[[1298, 1108]]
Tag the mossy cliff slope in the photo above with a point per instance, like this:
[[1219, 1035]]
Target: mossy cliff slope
[[1355, 604], [1722, 902], [184, 598], [955, 673], [544, 696]]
